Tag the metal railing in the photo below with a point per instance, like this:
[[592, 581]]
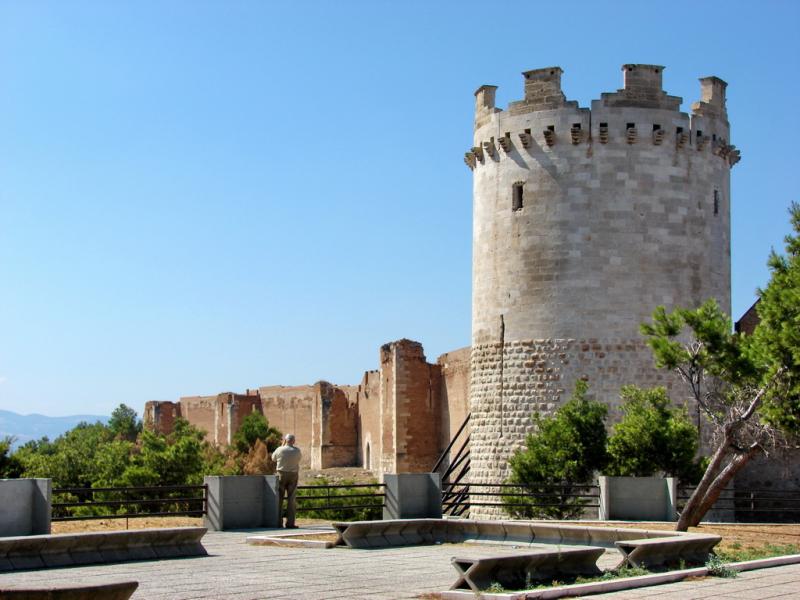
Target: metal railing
[[77, 504], [548, 501], [343, 501], [753, 505], [454, 497]]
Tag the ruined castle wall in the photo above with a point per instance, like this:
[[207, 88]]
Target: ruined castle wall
[[159, 416], [235, 408], [219, 416], [367, 397], [417, 411], [339, 420], [204, 412], [454, 397], [584, 222], [387, 460], [290, 409]]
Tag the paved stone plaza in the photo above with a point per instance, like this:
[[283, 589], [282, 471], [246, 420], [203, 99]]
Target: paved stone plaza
[[763, 584], [237, 570]]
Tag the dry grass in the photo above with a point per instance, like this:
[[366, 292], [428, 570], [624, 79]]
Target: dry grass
[[735, 537], [117, 524], [147, 523]]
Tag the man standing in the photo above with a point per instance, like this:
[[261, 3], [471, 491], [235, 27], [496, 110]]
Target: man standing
[[287, 458]]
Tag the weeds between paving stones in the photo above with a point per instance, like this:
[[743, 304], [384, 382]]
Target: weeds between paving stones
[[497, 588], [719, 568]]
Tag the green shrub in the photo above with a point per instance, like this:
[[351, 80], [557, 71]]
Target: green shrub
[[720, 568], [340, 497], [558, 460], [653, 438]]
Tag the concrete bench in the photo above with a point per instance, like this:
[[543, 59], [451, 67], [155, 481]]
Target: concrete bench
[[654, 552], [514, 571], [48, 551], [102, 591], [638, 547], [412, 532]]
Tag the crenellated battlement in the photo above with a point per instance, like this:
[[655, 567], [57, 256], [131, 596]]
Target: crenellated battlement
[[584, 220], [641, 112]]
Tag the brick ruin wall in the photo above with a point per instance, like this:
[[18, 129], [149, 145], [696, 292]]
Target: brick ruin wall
[[454, 401], [290, 410], [398, 419]]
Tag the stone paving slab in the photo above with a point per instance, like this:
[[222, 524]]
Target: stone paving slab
[[240, 571], [764, 584]]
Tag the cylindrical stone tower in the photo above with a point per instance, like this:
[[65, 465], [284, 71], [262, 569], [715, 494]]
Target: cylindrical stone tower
[[584, 222]]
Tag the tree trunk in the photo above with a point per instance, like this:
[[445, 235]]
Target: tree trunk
[[722, 480], [693, 504]]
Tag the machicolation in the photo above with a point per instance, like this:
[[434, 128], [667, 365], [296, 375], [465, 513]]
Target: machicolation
[[585, 220]]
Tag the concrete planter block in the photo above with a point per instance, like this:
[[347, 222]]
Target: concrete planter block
[[25, 507], [242, 502], [638, 498], [412, 496]]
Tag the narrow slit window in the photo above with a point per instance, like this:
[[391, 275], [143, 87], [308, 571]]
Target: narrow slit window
[[679, 130], [716, 202], [699, 133], [576, 125], [516, 196], [630, 126], [656, 127], [551, 128]]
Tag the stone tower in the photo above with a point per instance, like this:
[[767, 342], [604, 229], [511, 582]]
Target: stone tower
[[584, 222]]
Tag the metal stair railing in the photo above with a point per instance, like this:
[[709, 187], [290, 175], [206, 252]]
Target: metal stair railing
[[455, 496]]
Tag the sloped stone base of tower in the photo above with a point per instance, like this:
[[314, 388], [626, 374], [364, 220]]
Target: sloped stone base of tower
[[509, 382]]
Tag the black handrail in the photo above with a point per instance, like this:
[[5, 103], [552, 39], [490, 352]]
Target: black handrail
[[132, 498], [450, 445]]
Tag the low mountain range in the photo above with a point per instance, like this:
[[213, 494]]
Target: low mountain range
[[33, 427]]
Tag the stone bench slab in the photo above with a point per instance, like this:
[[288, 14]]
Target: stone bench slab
[[639, 547], [104, 591], [694, 548], [50, 551], [516, 570]]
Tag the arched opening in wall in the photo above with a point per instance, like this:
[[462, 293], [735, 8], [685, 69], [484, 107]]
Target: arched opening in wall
[[367, 458]]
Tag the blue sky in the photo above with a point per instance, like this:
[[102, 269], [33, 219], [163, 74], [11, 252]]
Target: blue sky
[[207, 196]]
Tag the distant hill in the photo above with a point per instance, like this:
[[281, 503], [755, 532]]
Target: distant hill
[[32, 427]]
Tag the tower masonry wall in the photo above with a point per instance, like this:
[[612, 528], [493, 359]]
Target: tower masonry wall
[[583, 222]]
